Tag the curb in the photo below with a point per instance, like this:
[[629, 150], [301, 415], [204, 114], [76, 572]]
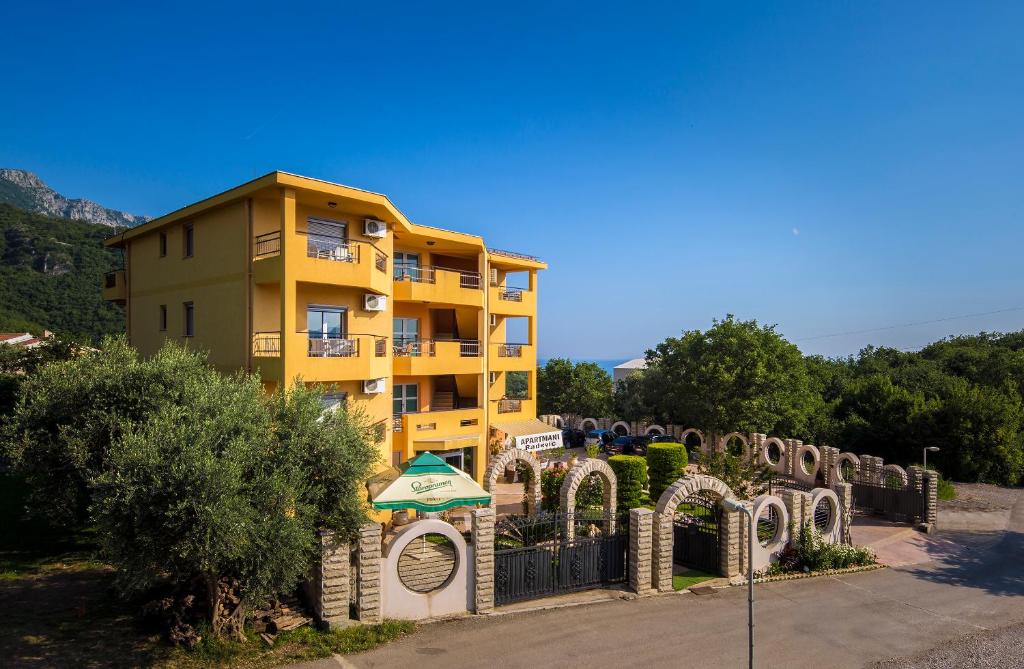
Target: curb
[[815, 574]]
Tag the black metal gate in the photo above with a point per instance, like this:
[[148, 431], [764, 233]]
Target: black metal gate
[[900, 504], [546, 563], [696, 531]]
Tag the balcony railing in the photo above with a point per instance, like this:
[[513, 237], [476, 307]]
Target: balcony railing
[[419, 348], [510, 294], [510, 406], [333, 347], [266, 344], [428, 274], [325, 247], [267, 245], [510, 350]]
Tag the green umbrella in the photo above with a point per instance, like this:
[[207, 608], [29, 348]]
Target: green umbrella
[[426, 483]]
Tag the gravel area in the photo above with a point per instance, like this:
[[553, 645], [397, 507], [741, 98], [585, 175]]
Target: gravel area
[[981, 497], [1003, 647]]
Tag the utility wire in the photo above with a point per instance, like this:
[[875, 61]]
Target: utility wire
[[908, 325]]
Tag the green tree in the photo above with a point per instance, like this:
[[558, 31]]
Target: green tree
[[629, 399], [577, 389], [737, 375], [229, 486]]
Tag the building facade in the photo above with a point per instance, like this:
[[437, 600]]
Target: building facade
[[298, 279]]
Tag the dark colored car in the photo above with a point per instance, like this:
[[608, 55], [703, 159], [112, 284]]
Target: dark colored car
[[627, 445], [663, 439], [573, 438]]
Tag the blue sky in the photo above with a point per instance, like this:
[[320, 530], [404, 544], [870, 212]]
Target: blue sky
[[829, 167]]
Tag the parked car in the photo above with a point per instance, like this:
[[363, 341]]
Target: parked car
[[572, 438], [663, 439], [627, 445], [600, 437]]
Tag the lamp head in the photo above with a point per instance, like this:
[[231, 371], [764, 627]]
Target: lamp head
[[932, 448]]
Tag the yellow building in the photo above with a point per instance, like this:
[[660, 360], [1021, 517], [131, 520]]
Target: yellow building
[[296, 278]]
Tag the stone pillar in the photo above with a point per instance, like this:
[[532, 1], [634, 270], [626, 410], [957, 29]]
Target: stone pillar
[[798, 504], [369, 558], [756, 440], [482, 524], [844, 491], [828, 462], [930, 490], [661, 552], [915, 477], [729, 548], [792, 446], [641, 547], [328, 586]]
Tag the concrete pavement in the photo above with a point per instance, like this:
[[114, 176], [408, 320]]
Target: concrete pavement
[[843, 621]]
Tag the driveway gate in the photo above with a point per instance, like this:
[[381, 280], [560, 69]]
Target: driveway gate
[[696, 532], [533, 559]]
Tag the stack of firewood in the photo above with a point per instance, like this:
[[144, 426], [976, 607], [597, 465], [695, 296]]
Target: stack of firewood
[[285, 613]]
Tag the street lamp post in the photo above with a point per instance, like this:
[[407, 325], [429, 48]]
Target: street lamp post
[[748, 510], [925, 451]]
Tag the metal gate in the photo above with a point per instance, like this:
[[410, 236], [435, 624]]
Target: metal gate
[[696, 531], [545, 563]]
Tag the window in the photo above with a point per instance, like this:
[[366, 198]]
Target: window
[[327, 239], [407, 265], [190, 242], [163, 317], [327, 328], [493, 377], [163, 244], [406, 330], [406, 398], [333, 401], [190, 320]]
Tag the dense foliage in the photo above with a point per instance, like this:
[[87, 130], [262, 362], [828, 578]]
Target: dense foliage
[[51, 276], [630, 479], [665, 463], [811, 553], [578, 389], [189, 475], [589, 495], [962, 394]]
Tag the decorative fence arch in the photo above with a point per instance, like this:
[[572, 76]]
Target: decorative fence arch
[[891, 473], [665, 512], [767, 551], [686, 433], [623, 424], [764, 454], [743, 440], [826, 515], [497, 466], [807, 476], [657, 429], [837, 467], [576, 476], [593, 424]]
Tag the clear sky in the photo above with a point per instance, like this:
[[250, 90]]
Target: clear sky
[[829, 167]]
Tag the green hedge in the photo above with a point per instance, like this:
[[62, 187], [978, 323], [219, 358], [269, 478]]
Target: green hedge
[[631, 476], [666, 463]]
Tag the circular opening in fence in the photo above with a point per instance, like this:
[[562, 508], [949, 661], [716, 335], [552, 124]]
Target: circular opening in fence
[[692, 442], [773, 454], [620, 430], [768, 526], [847, 471], [427, 562], [807, 462], [823, 514], [734, 447]]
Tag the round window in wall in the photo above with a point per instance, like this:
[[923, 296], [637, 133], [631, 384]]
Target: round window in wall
[[767, 525], [773, 454], [807, 463], [848, 471], [823, 514], [427, 562]]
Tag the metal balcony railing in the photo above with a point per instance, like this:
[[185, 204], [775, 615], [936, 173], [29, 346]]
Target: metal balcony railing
[[324, 247], [418, 348], [333, 347], [510, 406], [510, 350], [266, 344], [428, 274], [510, 294], [267, 244]]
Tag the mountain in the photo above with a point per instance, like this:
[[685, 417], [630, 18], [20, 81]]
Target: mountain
[[51, 276], [27, 191]]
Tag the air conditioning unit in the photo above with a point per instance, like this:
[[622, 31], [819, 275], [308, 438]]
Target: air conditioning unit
[[372, 302], [374, 228], [375, 386]]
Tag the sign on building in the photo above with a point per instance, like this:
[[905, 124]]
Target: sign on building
[[538, 442]]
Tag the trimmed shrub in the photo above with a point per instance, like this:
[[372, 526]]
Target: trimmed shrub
[[589, 494], [631, 476], [666, 463]]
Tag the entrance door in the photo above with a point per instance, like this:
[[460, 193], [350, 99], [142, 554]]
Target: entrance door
[[696, 530], [407, 265], [327, 327]]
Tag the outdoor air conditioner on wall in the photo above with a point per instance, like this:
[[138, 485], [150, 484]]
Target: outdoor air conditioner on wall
[[372, 302], [375, 228], [374, 386]]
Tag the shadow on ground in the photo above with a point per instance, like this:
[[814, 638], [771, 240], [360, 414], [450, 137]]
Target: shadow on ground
[[979, 560]]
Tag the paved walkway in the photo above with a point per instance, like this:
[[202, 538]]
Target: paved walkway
[[844, 621]]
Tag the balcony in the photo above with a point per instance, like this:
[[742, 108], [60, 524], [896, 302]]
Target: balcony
[[511, 358], [514, 408], [322, 259], [354, 357], [115, 289], [439, 430], [430, 357], [438, 284], [511, 301]]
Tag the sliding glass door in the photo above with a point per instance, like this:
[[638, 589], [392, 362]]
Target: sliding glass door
[[327, 331]]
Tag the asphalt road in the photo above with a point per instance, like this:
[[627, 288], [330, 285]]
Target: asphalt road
[[844, 621]]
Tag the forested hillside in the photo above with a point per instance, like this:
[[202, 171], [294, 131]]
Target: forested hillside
[[51, 274]]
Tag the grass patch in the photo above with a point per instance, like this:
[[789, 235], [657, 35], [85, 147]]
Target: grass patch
[[946, 490], [690, 578]]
